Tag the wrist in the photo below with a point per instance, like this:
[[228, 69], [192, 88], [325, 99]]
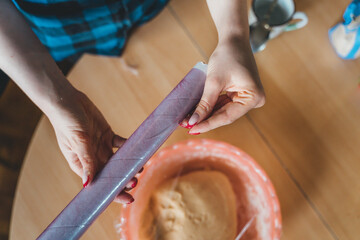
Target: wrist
[[238, 37], [58, 97], [234, 43]]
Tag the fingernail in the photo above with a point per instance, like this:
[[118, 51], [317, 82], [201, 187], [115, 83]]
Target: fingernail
[[190, 126], [193, 120], [193, 133], [141, 170], [186, 126], [182, 125], [85, 178], [134, 184], [131, 200], [86, 182]]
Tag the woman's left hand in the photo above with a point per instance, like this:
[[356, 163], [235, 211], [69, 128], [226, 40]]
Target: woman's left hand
[[85, 138], [232, 88]]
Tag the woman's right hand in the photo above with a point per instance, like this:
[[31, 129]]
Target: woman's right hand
[[85, 138]]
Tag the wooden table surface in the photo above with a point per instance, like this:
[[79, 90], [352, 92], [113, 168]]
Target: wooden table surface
[[306, 137]]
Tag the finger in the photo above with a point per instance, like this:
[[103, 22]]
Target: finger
[[88, 162], [224, 116], [124, 198], [131, 184], [72, 160], [248, 97], [76, 167], [208, 100], [103, 154], [223, 99], [118, 141], [185, 123]]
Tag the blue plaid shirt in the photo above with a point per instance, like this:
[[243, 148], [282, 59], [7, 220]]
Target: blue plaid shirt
[[72, 27]]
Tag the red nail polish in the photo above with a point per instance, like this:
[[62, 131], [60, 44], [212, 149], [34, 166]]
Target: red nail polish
[[131, 201], [134, 184], [182, 125], [190, 126], [86, 183], [193, 133]]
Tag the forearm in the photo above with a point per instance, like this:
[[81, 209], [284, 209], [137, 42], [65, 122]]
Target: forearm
[[28, 62], [230, 18]]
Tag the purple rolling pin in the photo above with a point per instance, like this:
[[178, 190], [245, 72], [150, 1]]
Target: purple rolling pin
[[91, 201]]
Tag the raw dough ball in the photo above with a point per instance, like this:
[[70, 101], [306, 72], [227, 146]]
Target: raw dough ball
[[200, 205]]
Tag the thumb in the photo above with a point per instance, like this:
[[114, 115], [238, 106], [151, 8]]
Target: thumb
[[208, 100]]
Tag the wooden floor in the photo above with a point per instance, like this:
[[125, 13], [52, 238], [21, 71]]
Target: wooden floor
[[18, 119], [307, 134]]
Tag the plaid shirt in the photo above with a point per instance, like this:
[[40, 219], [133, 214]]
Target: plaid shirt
[[72, 27]]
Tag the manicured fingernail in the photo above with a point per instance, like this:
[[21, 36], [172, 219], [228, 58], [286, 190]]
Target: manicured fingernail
[[130, 185], [190, 126], [134, 183], [86, 182], [194, 119], [85, 178], [187, 126], [193, 133], [131, 200], [182, 125]]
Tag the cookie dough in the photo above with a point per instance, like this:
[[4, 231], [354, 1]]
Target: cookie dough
[[200, 205]]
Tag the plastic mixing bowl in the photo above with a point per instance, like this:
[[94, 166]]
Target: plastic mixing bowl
[[256, 203]]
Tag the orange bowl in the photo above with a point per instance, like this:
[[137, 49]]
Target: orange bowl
[[256, 200]]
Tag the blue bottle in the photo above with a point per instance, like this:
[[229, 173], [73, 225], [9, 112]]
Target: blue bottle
[[345, 36]]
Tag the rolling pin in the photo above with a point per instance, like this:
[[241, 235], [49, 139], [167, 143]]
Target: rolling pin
[[127, 161]]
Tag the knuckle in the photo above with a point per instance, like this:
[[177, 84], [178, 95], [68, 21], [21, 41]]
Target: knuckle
[[213, 79], [204, 106], [216, 83], [86, 159], [255, 96], [86, 165]]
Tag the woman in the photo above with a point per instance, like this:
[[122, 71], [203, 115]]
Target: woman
[[68, 28]]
